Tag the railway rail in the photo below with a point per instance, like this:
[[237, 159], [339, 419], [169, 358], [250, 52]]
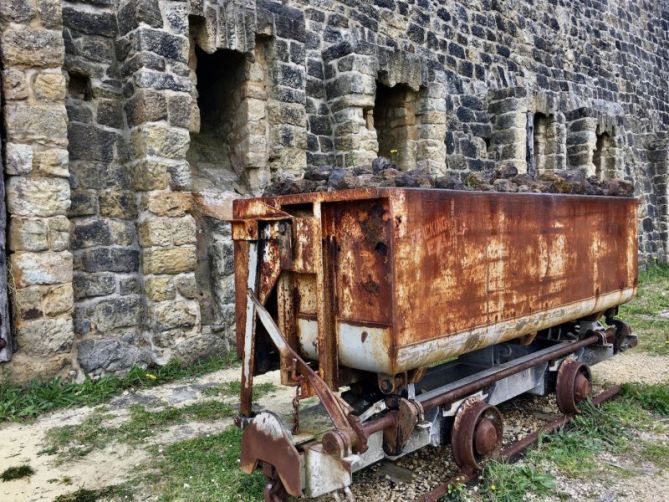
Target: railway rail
[[514, 450]]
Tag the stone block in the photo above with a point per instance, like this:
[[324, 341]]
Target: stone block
[[59, 233], [167, 203], [111, 355], [187, 286], [162, 43], [159, 288], [46, 336], [14, 84], [183, 112], [118, 204], [158, 140], [110, 113], [150, 175], [145, 78], [19, 159], [27, 304], [155, 232], [32, 47], [93, 22], [37, 196], [52, 162], [183, 230], [16, 11], [130, 286], [122, 232], [91, 233], [83, 203], [146, 106], [49, 267], [50, 13], [87, 142], [27, 234], [58, 300], [171, 260], [134, 12], [180, 176], [108, 260], [108, 314], [92, 285], [43, 124], [49, 87], [173, 314]]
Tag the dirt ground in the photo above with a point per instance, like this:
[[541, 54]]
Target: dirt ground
[[116, 462]]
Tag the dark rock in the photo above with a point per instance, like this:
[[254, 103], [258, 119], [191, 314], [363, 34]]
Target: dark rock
[[506, 171], [109, 260], [505, 185], [86, 235], [110, 355], [381, 164], [92, 285]]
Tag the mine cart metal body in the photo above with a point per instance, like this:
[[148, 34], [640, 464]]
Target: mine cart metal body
[[372, 287]]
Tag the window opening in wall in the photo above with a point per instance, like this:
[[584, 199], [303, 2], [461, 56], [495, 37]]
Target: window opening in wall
[[216, 152], [603, 157], [79, 86], [394, 119], [544, 142]]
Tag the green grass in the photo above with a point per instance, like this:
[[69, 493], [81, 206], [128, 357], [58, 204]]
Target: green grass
[[573, 452], [72, 441], [511, 482], [25, 402], [21, 471], [234, 388], [86, 495], [205, 469], [657, 453], [642, 313]]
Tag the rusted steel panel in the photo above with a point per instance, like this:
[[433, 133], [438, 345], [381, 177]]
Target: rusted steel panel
[[361, 232], [407, 277], [465, 260]]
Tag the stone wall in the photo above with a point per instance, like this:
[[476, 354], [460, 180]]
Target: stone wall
[[130, 125], [38, 193]]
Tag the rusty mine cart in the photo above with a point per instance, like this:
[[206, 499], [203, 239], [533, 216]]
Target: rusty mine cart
[[411, 313]]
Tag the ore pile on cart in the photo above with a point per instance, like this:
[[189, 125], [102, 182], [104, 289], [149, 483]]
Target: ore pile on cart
[[411, 313]]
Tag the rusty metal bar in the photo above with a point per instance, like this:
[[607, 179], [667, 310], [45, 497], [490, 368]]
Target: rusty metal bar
[[513, 450], [389, 419], [470, 388], [462, 478]]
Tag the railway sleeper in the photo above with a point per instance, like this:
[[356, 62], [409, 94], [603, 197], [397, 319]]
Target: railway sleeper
[[452, 402]]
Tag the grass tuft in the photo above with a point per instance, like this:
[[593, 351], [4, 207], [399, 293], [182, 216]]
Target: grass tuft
[[512, 482], [22, 471], [72, 441], [574, 452], [21, 403], [643, 313], [86, 495], [654, 398], [206, 469]]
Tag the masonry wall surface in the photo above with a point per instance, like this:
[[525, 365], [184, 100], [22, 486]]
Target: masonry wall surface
[[117, 191]]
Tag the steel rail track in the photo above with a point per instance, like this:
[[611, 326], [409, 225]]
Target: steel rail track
[[513, 450]]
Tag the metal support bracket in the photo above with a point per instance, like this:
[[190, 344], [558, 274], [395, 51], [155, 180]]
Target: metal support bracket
[[347, 425]]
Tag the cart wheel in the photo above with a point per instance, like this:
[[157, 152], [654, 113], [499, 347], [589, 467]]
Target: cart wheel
[[477, 433], [274, 489], [574, 384]]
